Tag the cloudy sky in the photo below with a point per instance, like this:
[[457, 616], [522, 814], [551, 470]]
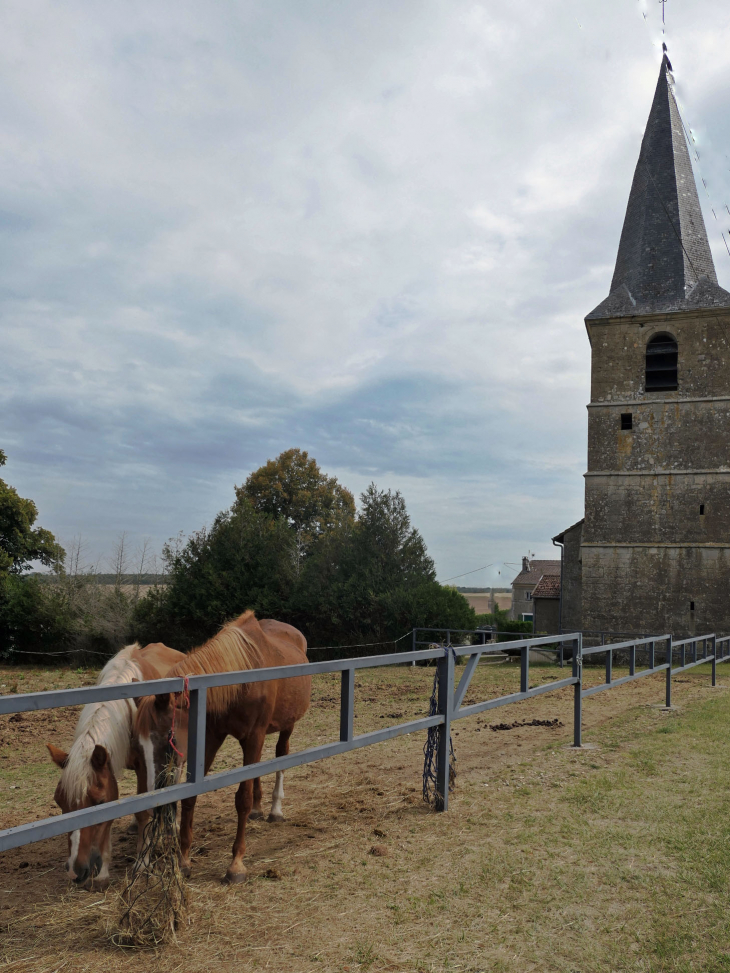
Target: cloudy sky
[[368, 229]]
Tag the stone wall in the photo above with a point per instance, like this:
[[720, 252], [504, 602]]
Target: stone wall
[[571, 586], [546, 615], [618, 355], [650, 590]]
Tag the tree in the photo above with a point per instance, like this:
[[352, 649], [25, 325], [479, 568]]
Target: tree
[[244, 560], [26, 615], [376, 581], [293, 487], [20, 542]]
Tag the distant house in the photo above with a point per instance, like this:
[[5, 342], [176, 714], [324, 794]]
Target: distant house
[[524, 584], [546, 605]]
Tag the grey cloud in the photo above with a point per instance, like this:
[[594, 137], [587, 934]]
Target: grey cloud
[[368, 230]]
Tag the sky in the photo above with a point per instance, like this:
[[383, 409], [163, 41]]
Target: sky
[[370, 230]]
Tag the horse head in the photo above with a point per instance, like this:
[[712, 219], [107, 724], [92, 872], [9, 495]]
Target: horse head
[[160, 732], [88, 848]]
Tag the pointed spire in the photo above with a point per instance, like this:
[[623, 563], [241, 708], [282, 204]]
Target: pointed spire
[[664, 261]]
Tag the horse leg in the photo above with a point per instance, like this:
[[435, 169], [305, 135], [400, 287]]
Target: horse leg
[[187, 808], [282, 749], [101, 881], [256, 811], [141, 817], [187, 811], [252, 747]]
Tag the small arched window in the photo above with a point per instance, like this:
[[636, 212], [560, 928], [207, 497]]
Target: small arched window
[[661, 364]]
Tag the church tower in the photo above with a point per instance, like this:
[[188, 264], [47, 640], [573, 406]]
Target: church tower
[[655, 545]]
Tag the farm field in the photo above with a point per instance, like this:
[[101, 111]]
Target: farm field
[[612, 859]]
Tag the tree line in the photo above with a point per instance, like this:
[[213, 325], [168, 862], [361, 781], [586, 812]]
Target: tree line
[[293, 545]]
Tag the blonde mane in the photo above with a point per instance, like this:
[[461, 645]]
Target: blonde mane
[[108, 724], [231, 650]]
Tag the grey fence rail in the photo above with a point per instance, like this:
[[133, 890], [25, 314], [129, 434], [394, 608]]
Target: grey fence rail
[[450, 708]]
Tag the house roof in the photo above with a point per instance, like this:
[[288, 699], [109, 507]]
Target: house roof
[[560, 538], [547, 587], [535, 571], [664, 261]]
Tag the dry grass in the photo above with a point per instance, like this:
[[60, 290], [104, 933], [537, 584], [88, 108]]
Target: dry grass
[[548, 859]]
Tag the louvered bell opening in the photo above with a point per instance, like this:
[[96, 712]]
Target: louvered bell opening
[[661, 364]]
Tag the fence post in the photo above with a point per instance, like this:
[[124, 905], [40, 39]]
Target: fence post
[[561, 655], [445, 709], [668, 695], [609, 666], [524, 669], [651, 655], [714, 659], [196, 736], [413, 644], [632, 660], [578, 691], [347, 705]]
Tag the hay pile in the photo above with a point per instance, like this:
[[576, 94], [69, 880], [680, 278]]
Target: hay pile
[[153, 904]]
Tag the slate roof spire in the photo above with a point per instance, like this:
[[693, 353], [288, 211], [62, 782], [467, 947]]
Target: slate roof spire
[[664, 261]]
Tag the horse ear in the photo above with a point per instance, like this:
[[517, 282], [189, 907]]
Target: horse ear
[[162, 701], [59, 757], [99, 757]]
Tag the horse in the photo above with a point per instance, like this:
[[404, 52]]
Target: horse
[[247, 712], [101, 749]]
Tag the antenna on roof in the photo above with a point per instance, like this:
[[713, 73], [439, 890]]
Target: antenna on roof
[[663, 3]]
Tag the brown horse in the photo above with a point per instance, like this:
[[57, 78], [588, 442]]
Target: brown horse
[[100, 751], [246, 712]]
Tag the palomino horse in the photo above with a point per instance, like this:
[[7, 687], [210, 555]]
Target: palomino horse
[[246, 712], [100, 751]]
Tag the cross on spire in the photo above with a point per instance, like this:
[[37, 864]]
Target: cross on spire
[[663, 3]]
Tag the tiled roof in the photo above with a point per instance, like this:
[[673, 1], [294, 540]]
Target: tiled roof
[[547, 587], [536, 571], [664, 261]]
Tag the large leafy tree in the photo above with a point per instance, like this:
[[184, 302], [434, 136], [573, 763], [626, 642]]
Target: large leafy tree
[[375, 581], [292, 487], [353, 579], [244, 560], [20, 542]]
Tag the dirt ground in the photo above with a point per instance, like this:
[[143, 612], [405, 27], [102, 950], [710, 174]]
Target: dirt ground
[[362, 875]]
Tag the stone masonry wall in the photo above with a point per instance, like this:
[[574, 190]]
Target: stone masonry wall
[[681, 556], [618, 353], [572, 581], [650, 590], [661, 508]]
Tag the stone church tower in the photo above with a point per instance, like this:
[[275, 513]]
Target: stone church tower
[[653, 553]]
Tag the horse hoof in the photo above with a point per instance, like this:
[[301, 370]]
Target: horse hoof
[[255, 815], [234, 878], [275, 818]]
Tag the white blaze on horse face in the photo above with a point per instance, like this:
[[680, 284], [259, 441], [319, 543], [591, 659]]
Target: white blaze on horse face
[[149, 759], [278, 794], [75, 838]]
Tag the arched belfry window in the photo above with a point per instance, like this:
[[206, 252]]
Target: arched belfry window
[[661, 364]]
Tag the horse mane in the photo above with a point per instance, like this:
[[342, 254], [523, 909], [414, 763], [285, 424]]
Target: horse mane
[[231, 650], [108, 724]]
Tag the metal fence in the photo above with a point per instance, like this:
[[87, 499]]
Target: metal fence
[[450, 707]]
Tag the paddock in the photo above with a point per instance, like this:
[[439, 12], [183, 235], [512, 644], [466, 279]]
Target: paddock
[[548, 858]]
